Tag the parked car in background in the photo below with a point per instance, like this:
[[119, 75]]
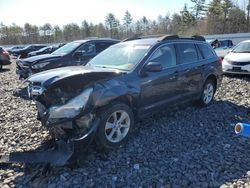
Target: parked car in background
[[237, 61], [45, 50], [23, 53], [11, 49], [4, 58], [74, 53], [126, 82], [221, 47]]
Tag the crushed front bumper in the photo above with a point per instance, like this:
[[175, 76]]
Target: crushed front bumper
[[65, 148], [59, 156]]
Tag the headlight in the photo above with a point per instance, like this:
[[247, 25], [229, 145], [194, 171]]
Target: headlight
[[72, 108], [40, 65]]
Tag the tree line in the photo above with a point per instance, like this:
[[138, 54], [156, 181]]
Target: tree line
[[201, 18]]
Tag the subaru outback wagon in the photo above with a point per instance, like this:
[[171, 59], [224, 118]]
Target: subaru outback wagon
[[124, 83]]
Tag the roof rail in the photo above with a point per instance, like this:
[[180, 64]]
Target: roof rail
[[131, 38], [168, 37], [198, 37]]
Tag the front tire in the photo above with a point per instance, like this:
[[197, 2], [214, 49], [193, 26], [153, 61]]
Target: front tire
[[207, 93], [115, 126]]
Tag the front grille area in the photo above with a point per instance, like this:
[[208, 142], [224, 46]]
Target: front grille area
[[239, 63], [233, 70]]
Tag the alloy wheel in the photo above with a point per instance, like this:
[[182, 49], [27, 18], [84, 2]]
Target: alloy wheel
[[117, 126], [208, 93]]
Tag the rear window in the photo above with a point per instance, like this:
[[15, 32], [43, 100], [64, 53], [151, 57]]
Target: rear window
[[206, 51], [187, 52]]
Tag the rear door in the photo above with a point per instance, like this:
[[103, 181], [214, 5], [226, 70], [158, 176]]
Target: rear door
[[190, 69]]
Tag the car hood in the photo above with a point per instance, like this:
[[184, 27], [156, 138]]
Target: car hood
[[85, 73], [44, 57], [238, 57]]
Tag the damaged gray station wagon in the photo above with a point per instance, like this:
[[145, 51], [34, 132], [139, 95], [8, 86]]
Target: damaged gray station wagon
[[125, 82]]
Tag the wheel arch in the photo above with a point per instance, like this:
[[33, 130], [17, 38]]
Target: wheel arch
[[213, 78]]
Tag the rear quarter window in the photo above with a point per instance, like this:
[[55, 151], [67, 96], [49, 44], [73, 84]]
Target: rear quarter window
[[206, 51], [187, 53]]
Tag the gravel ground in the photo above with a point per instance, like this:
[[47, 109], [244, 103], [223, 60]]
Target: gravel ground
[[191, 147]]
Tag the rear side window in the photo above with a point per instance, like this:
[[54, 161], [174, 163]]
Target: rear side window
[[206, 51], [165, 55], [102, 46], [187, 53]]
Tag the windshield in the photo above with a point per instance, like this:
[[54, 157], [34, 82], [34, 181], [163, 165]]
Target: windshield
[[242, 48], [121, 56], [44, 48], [67, 48]]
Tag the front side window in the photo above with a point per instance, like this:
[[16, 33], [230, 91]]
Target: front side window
[[121, 56], [165, 56], [87, 49], [187, 53]]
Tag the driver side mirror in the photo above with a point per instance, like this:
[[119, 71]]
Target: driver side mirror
[[153, 67]]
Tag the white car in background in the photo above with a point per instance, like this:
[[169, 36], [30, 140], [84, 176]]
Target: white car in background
[[237, 61]]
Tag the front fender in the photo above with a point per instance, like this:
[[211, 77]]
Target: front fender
[[112, 90]]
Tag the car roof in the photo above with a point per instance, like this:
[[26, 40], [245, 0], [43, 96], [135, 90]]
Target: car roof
[[96, 39], [167, 38]]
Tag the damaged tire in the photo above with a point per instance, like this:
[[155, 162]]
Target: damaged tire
[[115, 126]]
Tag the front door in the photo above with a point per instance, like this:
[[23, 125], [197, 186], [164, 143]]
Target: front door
[[159, 88]]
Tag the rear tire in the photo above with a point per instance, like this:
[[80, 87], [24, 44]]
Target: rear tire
[[116, 123], [207, 93]]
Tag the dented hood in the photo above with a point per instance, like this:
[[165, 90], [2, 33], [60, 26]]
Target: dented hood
[[90, 73]]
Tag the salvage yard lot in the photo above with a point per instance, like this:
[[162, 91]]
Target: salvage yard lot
[[190, 147]]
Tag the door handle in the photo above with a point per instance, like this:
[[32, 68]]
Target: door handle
[[174, 75]]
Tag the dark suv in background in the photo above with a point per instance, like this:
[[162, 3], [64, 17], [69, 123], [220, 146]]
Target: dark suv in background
[[125, 82], [73, 53], [46, 50], [23, 52]]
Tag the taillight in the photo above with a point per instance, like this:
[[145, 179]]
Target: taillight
[[220, 60], [5, 53]]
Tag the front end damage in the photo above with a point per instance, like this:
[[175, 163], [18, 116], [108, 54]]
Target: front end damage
[[69, 120], [67, 100]]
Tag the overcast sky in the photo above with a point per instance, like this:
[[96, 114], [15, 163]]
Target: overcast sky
[[61, 12]]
